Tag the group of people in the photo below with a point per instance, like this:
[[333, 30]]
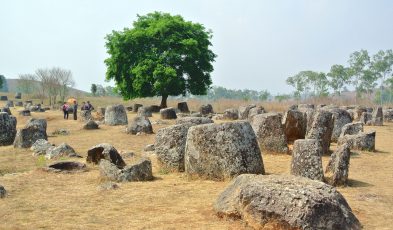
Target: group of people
[[66, 108]]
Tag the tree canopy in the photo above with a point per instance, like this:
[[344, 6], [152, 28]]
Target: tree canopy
[[162, 55]]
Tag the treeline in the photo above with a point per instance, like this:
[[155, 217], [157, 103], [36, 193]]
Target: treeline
[[101, 91], [53, 84], [218, 92], [363, 73]]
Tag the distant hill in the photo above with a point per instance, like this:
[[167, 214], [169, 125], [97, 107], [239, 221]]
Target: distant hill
[[13, 84]]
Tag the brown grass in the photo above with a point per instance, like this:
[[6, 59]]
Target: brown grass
[[41, 200]]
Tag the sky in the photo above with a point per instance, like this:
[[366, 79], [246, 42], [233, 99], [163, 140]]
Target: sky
[[259, 43]]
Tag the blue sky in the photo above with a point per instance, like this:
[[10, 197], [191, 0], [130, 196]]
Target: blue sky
[[259, 43]]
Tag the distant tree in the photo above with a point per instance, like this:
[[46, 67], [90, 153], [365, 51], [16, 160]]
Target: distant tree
[[282, 97], [299, 82], [63, 81], [26, 83], [382, 64], [161, 55], [111, 91], [359, 61], [3, 84], [101, 91], [93, 89], [1, 80], [264, 95], [339, 77]]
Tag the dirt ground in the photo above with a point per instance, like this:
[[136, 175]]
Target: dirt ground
[[42, 200]]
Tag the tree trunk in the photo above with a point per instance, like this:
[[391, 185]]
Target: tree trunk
[[163, 101]]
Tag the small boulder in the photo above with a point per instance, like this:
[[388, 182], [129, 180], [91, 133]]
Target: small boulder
[[149, 148], [206, 109], [341, 118], [116, 115], [3, 192], [376, 117], [270, 133], [307, 159], [170, 146], [40, 147], [3, 98], [360, 141], [19, 103], [144, 112], [194, 120], [365, 118], [155, 108], [285, 202], [85, 115], [61, 132], [220, 151], [9, 104], [34, 130], [6, 110], [322, 129], [141, 171], [351, 129], [18, 95], [136, 107], [336, 172], [25, 113], [230, 114], [91, 125], [7, 129], [255, 111], [140, 125], [183, 107], [244, 111], [388, 115], [63, 150], [104, 151], [295, 125], [168, 113]]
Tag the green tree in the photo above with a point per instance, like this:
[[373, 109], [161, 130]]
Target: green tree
[[338, 78], [3, 84], [359, 61], [161, 55], [93, 89], [299, 82], [381, 64]]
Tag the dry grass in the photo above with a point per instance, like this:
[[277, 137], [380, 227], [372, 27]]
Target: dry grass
[[41, 200]]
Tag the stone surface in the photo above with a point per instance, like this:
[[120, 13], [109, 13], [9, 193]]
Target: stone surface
[[104, 151], [307, 159], [194, 120], [295, 125], [9, 104], [18, 95], [305, 106], [244, 111], [351, 129], [3, 192], [136, 107], [19, 103], [168, 113], [149, 148], [322, 129], [116, 115], [34, 130], [140, 125], [231, 114], [144, 112], [220, 151], [24, 112], [376, 117], [341, 118], [85, 115], [206, 109], [6, 110], [255, 111], [336, 172], [61, 132], [141, 171], [170, 146], [360, 141], [270, 133], [308, 117], [388, 115], [7, 129], [40, 147], [285, 202], [91, 125], [183, 107], [365, 117], [3, 98], [63, 150]]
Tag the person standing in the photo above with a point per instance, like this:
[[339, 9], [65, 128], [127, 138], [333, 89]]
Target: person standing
[[75, 110], [65, 110]]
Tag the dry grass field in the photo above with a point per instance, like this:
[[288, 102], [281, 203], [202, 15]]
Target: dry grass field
[[41, 200]]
